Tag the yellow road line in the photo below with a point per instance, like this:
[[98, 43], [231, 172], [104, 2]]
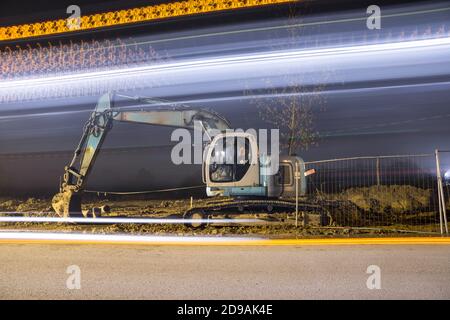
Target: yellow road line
[[262, 242]]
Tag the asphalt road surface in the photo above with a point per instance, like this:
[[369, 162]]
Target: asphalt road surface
[[39, 271]]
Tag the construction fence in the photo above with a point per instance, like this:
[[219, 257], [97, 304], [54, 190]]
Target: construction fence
[[399, 192]]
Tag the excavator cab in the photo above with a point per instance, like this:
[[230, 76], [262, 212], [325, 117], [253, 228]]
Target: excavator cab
[[232, 160], [234, 167]]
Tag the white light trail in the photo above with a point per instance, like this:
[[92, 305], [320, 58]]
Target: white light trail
[[284, 26], [205, 101], [124, 220], [397, 60], [108, 238], [235, 61]]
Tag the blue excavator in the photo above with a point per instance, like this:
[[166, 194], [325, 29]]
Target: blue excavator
[[239, 184]]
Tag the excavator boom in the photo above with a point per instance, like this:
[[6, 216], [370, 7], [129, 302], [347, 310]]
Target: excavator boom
[[68, 201]]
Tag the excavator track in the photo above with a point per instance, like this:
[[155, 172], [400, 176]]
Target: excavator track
[[236, 207]]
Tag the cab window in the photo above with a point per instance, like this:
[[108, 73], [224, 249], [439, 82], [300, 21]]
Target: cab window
[[230, 159], [285, 174]]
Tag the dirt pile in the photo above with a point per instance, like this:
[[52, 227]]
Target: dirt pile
[[8, 204], [388, 199], [24, 206]]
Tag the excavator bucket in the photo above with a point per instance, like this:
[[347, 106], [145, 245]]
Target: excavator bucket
[[67, 204]]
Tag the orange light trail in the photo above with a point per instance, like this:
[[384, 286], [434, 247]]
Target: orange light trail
[[129, 16]]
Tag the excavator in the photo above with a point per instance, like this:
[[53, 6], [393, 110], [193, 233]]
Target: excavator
[[238, 185]]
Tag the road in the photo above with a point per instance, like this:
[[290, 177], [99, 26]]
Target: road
[[38, 271]]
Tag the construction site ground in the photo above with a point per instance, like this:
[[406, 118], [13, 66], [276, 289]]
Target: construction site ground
[[276, 225]]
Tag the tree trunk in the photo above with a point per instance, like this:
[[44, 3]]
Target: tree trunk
[[292, 131]]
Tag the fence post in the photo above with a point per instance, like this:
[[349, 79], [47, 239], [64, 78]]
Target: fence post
[[441, 188], [378, 171], [444, 209], [296, 177], [441, 198]]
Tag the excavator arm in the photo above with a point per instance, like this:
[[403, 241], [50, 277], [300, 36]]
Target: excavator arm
[[68, 201]]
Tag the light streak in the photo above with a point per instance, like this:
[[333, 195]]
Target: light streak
[[290, 26], [204, 101], [122, 220], [55, 236], [261, 58], [130, 16], [78, 238]]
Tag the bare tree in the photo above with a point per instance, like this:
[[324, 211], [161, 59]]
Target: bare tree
[[291, 108]]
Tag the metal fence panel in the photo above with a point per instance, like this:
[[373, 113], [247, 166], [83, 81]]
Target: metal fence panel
[[388, 192]]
